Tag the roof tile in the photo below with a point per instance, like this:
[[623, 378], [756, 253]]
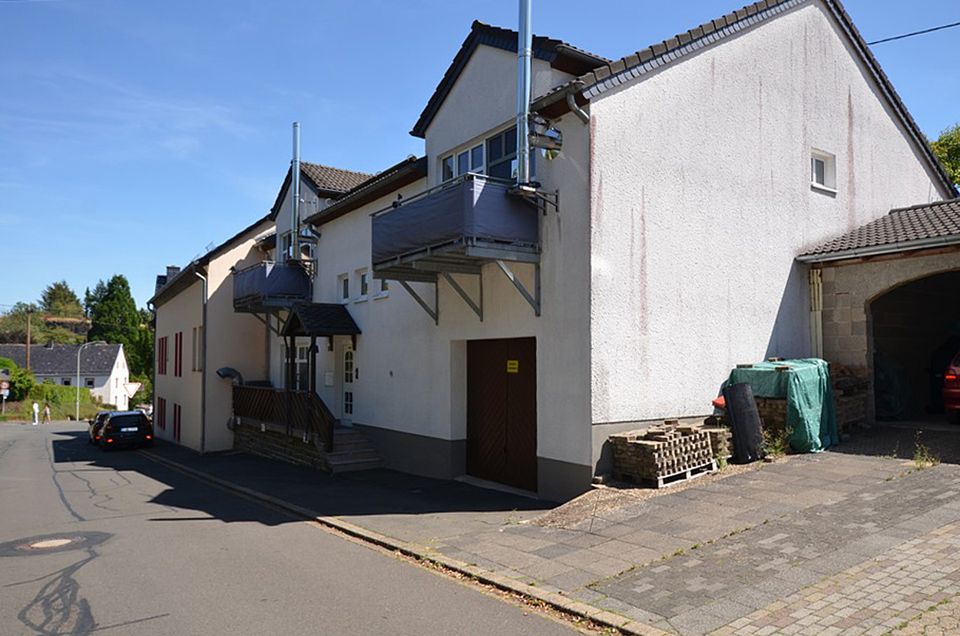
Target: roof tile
[[902, 225]]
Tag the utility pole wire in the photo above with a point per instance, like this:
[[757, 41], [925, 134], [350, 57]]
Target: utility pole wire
[[910, 35]]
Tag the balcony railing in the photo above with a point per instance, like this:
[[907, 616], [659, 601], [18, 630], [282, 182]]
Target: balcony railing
[[471, 218], [299, 412], [268, 286]]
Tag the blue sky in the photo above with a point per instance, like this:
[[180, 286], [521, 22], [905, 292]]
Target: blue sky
[[135, 133]]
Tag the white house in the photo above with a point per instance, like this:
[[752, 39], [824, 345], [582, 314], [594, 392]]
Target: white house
[[103, 368], [505, 332]]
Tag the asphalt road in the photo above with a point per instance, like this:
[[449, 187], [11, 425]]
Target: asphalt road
[[155, 552]]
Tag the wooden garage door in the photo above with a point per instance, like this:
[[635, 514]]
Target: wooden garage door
[[502, 411]]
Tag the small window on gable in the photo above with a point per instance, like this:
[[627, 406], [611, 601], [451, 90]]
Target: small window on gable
[[823, 171], [343, 283]]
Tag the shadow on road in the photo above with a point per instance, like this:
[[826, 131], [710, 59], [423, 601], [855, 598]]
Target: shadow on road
[[375, 492]]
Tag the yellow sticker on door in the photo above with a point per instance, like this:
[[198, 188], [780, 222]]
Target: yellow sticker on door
[[513, 366]]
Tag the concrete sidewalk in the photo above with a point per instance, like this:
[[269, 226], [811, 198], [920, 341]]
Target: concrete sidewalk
[[815, 544]]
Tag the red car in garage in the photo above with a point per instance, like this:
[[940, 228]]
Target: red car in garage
[[951, 389]]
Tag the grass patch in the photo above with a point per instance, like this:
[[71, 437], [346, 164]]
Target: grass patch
[[922, 456], [776, 442]]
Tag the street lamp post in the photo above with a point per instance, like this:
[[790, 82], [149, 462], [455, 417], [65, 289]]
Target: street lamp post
[[98, 342]]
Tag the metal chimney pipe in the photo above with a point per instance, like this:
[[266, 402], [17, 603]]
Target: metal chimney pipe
[[295, 182], [524, 73]]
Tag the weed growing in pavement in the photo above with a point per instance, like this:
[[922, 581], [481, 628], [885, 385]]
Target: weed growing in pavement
[[721, 463], [776, 443], [922, 457]]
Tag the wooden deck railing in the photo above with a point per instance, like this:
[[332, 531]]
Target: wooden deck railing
[[301, 411]]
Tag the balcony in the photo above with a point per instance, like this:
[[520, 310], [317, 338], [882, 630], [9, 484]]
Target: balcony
[[267, 287], [455, 228]]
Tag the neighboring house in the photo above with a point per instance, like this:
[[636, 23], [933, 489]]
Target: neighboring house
[[103, 368], [505, 332], [198, 332]]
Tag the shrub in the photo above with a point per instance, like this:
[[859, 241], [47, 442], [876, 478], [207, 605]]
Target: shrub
[[21, 380]]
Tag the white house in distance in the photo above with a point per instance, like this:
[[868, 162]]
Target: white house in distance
[[469, 326], [103, 368]]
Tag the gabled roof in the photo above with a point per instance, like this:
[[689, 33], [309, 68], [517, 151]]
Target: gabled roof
[[328, 181], [608, 76], [95, 359], [560, 55], [903, 229], [381, 184], [186, 277]]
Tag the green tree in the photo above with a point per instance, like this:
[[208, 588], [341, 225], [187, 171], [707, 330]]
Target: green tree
[[59, 300], [91, 298], [947, 149], [13, 327], [21, 380], [116, 319]]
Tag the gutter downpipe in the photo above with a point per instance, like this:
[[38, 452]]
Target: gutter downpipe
[[524, 71], [203, 370], [153, 368], [575, 108]]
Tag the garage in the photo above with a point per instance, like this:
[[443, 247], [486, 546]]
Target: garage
[[885, 299]]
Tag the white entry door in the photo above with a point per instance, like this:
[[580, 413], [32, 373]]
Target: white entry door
[[348, 371]]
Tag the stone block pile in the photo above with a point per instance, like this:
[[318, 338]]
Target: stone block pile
[[662, 454]]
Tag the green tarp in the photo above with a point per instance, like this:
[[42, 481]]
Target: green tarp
[[805, 386]]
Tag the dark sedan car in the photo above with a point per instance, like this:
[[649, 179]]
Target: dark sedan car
[[93, 432], [126, 428], [951, 389]]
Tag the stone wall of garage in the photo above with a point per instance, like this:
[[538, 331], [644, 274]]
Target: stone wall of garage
[[849, 288]]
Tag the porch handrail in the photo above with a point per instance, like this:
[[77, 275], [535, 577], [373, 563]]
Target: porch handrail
[[307, 411]]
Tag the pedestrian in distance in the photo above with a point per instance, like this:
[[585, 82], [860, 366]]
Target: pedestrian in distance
[[46, 413], [36, 413]]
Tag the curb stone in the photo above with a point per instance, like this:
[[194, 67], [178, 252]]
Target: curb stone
[[553, 599]]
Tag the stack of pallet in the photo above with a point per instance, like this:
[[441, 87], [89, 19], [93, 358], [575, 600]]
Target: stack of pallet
[[662, 454]]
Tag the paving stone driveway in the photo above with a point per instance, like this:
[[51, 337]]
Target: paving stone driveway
[[817, 544]]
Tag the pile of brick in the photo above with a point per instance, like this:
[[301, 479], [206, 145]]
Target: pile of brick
[[721, 437], [662, 454], [773, 413], [851, 386]]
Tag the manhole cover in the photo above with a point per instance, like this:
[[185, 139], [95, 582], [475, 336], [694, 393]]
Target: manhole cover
[[48, 543]]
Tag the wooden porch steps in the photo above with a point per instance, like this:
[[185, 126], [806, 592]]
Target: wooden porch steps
[[352, 451]]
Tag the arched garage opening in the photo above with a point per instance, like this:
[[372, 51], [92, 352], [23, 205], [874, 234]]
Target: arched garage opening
[[915, 333]]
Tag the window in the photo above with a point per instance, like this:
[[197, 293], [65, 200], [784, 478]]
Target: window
[[343, 284], [363, 280], [383, 288], [823, 171], [162, 355], [160, 418], [65, 381], [176, 422], [462, 162], [88, 382], [286, 247], [178, 354]]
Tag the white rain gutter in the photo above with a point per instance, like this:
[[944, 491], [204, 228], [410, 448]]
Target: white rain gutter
[[878, 250]]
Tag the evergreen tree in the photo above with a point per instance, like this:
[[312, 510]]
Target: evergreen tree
[[91, 298], [59, 300], [116, 319]]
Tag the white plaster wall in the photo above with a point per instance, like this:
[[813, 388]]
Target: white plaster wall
[[115, 386], [701, 199], [183, 312], [233, 339], [483, 99], [412, 371]]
